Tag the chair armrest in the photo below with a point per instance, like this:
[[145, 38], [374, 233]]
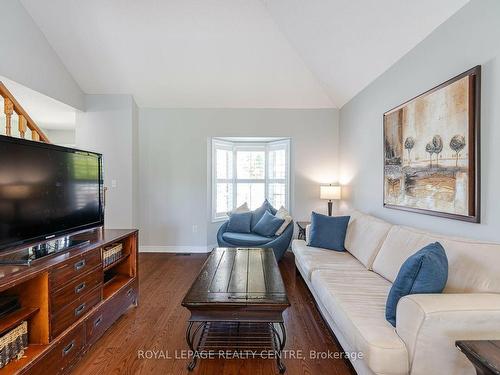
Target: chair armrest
[[222, 229], [429, 325], [281, 243], [308, 231]]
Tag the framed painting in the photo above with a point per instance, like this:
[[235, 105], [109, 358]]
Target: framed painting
[[432, 151]]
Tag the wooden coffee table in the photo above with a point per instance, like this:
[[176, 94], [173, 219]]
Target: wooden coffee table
[[236, 304], [483, 354]]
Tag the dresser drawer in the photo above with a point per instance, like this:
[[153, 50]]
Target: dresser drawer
[[98, 323], [109, 312], [74, 311], [62, 354], [126, 297], [63, 273], [75, 289]]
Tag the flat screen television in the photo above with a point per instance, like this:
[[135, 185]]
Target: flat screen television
[[47, 191]]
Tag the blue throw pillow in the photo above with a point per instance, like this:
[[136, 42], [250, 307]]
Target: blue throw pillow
[[268, 225], [259, 212], [426, 271], [239, 222], [328, 231]]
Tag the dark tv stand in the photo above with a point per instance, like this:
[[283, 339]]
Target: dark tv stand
[[69, 300], [32, 254]]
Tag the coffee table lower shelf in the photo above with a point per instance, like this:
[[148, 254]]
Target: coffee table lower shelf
[[236, 339]]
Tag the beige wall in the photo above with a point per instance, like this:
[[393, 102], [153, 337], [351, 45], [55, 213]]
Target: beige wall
[[469, 38], [175, 189], [107, 126]]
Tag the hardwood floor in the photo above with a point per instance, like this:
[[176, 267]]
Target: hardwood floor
[[158, 326]]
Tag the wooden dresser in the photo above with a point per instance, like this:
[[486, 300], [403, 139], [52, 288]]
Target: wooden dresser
[[70, 300]]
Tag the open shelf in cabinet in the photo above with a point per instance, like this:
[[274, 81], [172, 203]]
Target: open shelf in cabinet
[[33, 297], [122, 271], [115, 284], [32, 352], [116, 262], [15, 318]]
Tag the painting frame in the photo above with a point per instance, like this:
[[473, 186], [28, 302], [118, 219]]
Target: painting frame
[[473, 148]]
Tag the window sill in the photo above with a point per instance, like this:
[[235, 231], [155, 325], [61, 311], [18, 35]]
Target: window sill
[[220, 219]]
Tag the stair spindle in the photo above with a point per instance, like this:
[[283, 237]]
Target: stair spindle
[[8, 110], [35, 136], [22, 126]]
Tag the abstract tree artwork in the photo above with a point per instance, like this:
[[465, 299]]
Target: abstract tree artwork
[[431, 151]]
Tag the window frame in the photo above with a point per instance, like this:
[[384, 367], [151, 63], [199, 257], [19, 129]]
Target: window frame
[[235, 145]]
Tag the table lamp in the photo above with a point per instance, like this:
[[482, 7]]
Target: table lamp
[[330, 192]]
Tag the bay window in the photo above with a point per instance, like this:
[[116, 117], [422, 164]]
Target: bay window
[[248, 171]]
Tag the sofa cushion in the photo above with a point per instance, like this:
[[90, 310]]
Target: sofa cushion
[[365, 235], [259, 212], [268, 225], [354, 214], [239, 222], [424, 272], [328, 232], [356, 302], [239, 209], [314, 258], [472, 265], [283, 213], [245, 239]]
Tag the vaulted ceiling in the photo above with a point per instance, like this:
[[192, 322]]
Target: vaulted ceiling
[[234, 53]]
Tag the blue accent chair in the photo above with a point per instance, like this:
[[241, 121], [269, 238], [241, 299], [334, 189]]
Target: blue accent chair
[[279, 244]]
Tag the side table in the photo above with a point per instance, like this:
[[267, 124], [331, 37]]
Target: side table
[[483, 354], [302, 229]]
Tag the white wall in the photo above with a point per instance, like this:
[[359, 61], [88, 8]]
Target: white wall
[[173, 166], [63, 137], [27, 58], [107, 126], [135, 165], [469, 38]]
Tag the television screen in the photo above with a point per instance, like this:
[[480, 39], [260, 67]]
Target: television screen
[[47, 191]]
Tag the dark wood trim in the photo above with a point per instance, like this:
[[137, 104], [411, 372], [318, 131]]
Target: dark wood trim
[[474, 149]]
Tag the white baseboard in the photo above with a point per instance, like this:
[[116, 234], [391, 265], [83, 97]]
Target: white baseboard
[[175, 249]]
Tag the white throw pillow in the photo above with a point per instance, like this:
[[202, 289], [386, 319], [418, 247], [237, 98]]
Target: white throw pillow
[[285, 215], [240, 209]]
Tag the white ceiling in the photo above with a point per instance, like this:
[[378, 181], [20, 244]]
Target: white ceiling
[[349, 43], [234, 53]]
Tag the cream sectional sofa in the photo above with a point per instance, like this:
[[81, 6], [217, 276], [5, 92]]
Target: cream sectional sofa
[[351, 288]]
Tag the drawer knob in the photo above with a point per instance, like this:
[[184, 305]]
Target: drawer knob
[[68, 348], [79, 265], [80, 287], [98, 321], [129, 293], [80, 309]]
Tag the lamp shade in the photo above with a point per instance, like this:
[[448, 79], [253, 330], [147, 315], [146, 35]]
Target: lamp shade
[[329, 192]]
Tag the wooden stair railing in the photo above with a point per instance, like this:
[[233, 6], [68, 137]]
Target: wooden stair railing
[[11, 107]]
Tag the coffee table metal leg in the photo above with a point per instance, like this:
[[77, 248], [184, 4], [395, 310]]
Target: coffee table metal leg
[[280, 341], [283, 333], [278, 337], [190, 337]]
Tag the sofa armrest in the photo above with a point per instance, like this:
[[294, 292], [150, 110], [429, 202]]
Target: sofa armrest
[[429, 325]]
